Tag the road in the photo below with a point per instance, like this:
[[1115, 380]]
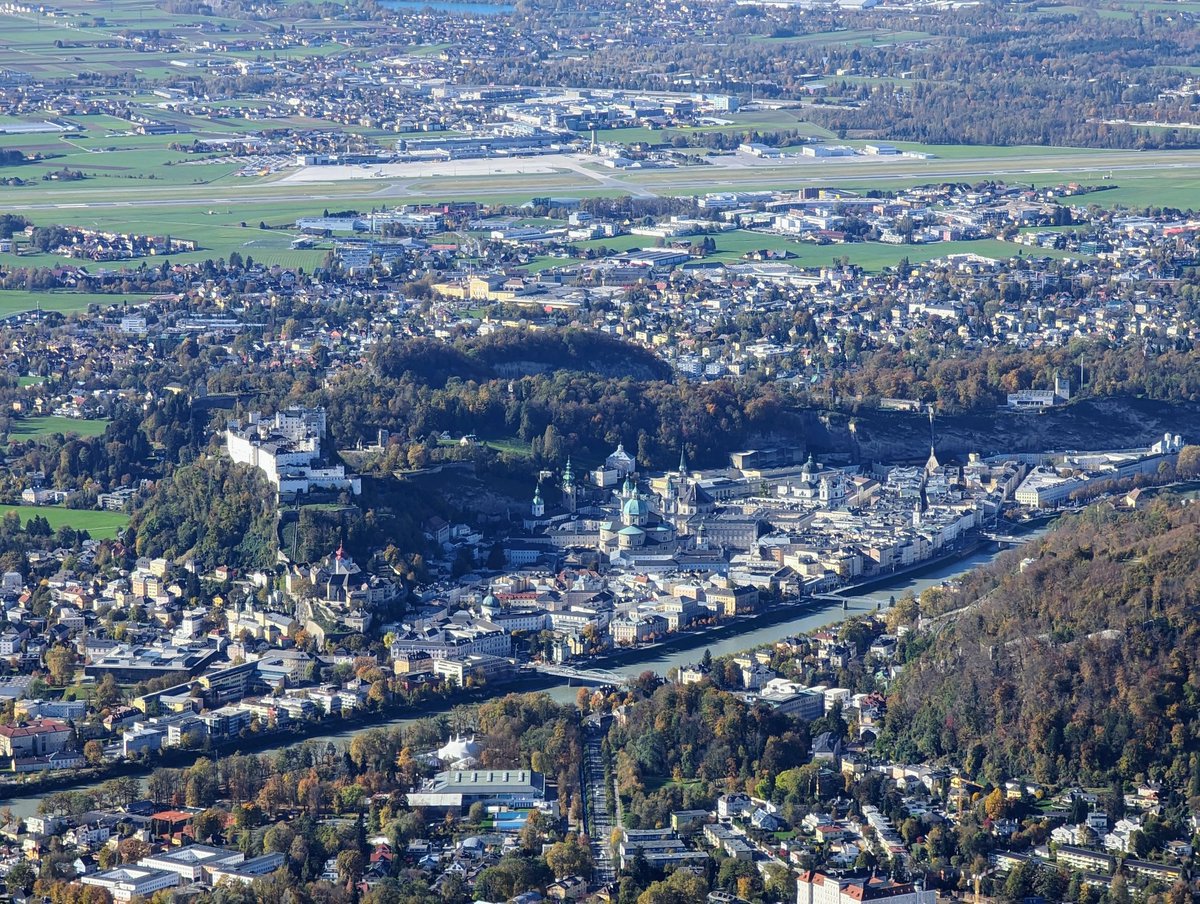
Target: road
[[598, 819]]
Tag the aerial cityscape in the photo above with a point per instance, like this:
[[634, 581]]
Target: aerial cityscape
[[689, 452]]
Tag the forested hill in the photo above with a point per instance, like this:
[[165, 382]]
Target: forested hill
[[1082, 667], [564, 392], [515, 353]]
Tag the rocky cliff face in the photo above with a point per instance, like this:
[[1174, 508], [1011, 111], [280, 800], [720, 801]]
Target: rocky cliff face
[[1087, 424]]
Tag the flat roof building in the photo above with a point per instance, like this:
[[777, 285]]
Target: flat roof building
[[247, 871], [128, 882], [190, 862], [458, 789]]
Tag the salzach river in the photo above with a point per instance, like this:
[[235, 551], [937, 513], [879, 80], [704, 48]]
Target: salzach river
[[663, 659]]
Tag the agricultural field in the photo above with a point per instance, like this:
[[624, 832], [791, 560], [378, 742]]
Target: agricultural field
[[51, 47], [218, 231], [99, 525]]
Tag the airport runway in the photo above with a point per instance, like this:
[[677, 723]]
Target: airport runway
[[576, 175]]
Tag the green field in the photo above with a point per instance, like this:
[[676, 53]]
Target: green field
[[731, 246], [100, 525], [91, 39], [17, 301], [212, 214], [34, 427], [511, 445], [1161, 188], [217, 230], [849, 36], [118, 162], [1162, 6]]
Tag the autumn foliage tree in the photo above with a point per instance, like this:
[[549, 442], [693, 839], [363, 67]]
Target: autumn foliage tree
[[1078, 667]]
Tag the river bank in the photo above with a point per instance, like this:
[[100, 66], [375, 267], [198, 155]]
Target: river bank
[[726, 639], [260, 742], [786, 611], [871, 594]]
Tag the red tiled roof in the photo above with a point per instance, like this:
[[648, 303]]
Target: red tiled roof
[[172, 815], [42, 726]]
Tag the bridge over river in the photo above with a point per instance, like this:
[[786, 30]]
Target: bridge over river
[[584, 676]]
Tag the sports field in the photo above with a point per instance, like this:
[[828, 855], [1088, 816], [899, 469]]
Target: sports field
[[16, 301], [34, 427], [100, 525]]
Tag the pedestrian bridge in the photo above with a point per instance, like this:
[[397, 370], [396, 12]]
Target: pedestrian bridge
[[1006, 539], [828, 597], [585, 676]]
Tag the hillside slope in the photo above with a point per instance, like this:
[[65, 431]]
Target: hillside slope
[[1083, 667], [511, 353], [1094, 423]]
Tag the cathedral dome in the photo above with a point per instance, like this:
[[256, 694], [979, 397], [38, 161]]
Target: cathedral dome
[[636, 508]]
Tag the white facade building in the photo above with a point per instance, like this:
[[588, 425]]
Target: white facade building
[[189, 862], [128, 882], [287, 449], [1044, 488]]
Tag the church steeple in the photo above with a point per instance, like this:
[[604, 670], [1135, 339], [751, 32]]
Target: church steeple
[[538, 509], [683, 466], [570, 493], [932, 464]]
